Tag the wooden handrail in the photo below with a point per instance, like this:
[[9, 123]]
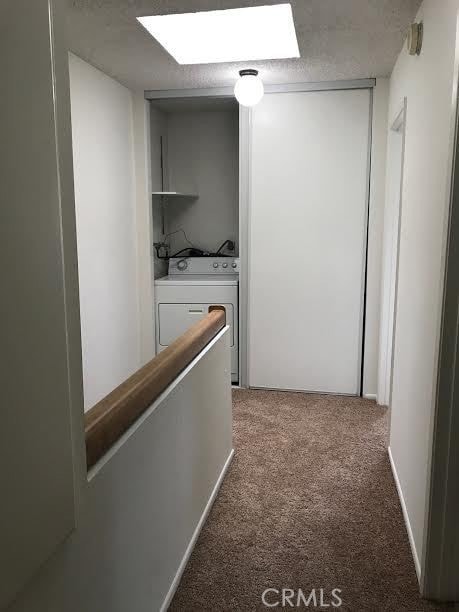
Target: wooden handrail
[[106, 422]]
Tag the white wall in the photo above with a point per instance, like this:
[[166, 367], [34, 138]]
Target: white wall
[[375, 232], [103, 145], [427, 81], [140, 509], [40, 373], [144, 223], [203, 158]]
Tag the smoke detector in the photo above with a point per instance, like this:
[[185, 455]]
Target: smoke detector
[[414, 39]]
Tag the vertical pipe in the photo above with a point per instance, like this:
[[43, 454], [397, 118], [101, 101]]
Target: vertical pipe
[[163, 230]]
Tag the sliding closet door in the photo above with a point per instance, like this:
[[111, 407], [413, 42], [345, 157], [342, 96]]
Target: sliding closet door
[[309, 181]]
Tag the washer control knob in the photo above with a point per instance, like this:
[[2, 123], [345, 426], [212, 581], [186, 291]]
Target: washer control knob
[[224, 265], [215, 264], [234, 264], [182, 265]]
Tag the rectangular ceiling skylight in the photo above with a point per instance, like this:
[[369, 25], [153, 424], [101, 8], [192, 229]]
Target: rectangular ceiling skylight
[[232, 35]]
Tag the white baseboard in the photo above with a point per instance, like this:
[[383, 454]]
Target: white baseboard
[[194, 537], [370, 396], [405, 516]]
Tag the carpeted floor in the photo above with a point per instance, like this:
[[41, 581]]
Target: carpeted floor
[[309, 502]]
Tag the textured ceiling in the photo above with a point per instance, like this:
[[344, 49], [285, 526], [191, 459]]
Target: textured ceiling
[[338, 39]]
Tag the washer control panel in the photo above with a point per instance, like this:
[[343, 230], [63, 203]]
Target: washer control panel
[[204, 265]]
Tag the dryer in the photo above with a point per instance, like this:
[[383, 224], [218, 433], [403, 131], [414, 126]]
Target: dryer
[[185, 294]]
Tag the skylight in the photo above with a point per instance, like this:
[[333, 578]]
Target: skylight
[[232, 35]]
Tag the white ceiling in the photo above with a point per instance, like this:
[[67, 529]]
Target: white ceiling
[[338, 39]]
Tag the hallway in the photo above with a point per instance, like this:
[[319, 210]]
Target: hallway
[[309, 502]]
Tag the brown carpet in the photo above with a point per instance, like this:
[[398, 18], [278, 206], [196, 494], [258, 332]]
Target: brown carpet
[[309, 502]]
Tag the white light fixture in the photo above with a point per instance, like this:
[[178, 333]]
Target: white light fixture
[[232, 35], [249, 88]]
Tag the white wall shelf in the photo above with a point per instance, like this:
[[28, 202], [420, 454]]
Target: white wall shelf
[[174, 194]]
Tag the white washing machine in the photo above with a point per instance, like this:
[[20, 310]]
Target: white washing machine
[[185, 294]]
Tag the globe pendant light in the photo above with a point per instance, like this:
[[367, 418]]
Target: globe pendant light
[[249, 88]]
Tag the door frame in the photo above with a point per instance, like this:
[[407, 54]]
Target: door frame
[[390, 271], [228, 92], [245, 148], [440, 576], [364, 305]]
